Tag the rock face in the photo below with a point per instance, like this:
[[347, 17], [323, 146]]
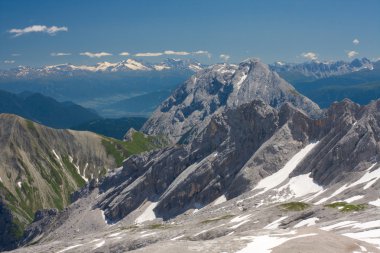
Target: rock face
[[219, 87], [41, 167]]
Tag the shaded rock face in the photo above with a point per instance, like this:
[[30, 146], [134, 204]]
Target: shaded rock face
[[188, 111], [187, 176], [237, 149], [41, 167]]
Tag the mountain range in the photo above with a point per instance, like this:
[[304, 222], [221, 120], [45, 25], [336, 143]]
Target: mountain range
[[69, 70], [253, 166]]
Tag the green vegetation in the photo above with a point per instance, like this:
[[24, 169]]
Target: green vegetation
[[294, 206], [120, 150], [157, 226], [224, 217], [30, 125], [345, 207], [73, 171]]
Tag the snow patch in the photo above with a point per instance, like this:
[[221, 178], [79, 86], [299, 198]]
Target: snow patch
[[308, 222], [220, 200], [265, 243], [58, 158], [280, 176], [70, 247], [148, 213], [275, 223], [301, 185], [240, 218], [370, 236], [99, 244], [339, 225], [375, 202], [149, 234], [239, 224], [19, 184], [176, 238], [354, 198], [241, 80]]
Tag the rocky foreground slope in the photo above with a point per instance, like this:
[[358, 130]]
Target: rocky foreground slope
[[255, 177]]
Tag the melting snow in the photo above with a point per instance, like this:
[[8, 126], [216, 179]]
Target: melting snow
[[239, 224], [280, 176], [339, 225], [204, 231], [265, 243], [148, 214], [275, 223], [375, 202], [241, 80], [69, 248], [369, 177], [370, 236], [149, 234], [176, 238], [220, 200], [240, 218], [58, 158], [308, 222], [352, 199], [302, 185], [99, 244], [19, 184]]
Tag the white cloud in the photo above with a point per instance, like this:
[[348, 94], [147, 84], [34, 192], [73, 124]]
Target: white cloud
[[224, 57], [352, 54], [15, 55], [52, 30], [310, 56], [9, 61], [148, 54], [170, 52], [356, 42], [95, 55], [203, 52], [60, 54], [124, 54]]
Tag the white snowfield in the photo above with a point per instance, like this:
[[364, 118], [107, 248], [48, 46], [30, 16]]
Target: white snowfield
[[148, 213], [280, 176]]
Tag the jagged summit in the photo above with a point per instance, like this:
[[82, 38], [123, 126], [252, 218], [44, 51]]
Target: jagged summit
[[218, 87]]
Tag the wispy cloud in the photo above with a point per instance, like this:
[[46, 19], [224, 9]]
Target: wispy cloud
[[15, 55], [124, 54], [52, 30], [171, 52], [352, 54], [310, 56], [207, 53], [9, 61], [148, 54], [356, 41], [95, 55], [60, 54], [224, 57]]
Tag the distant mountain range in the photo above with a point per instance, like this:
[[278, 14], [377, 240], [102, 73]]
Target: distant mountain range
[[129, 65], [315, 69], [45, 110]]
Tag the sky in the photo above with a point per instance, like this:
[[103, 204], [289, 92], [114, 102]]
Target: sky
[[36, 33]]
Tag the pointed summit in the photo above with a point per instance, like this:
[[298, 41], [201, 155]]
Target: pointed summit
[[217, 88]]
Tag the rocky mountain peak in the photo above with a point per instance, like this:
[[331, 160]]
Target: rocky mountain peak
[[219, 87]]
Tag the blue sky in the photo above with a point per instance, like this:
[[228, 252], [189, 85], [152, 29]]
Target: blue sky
[[291, 30]]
